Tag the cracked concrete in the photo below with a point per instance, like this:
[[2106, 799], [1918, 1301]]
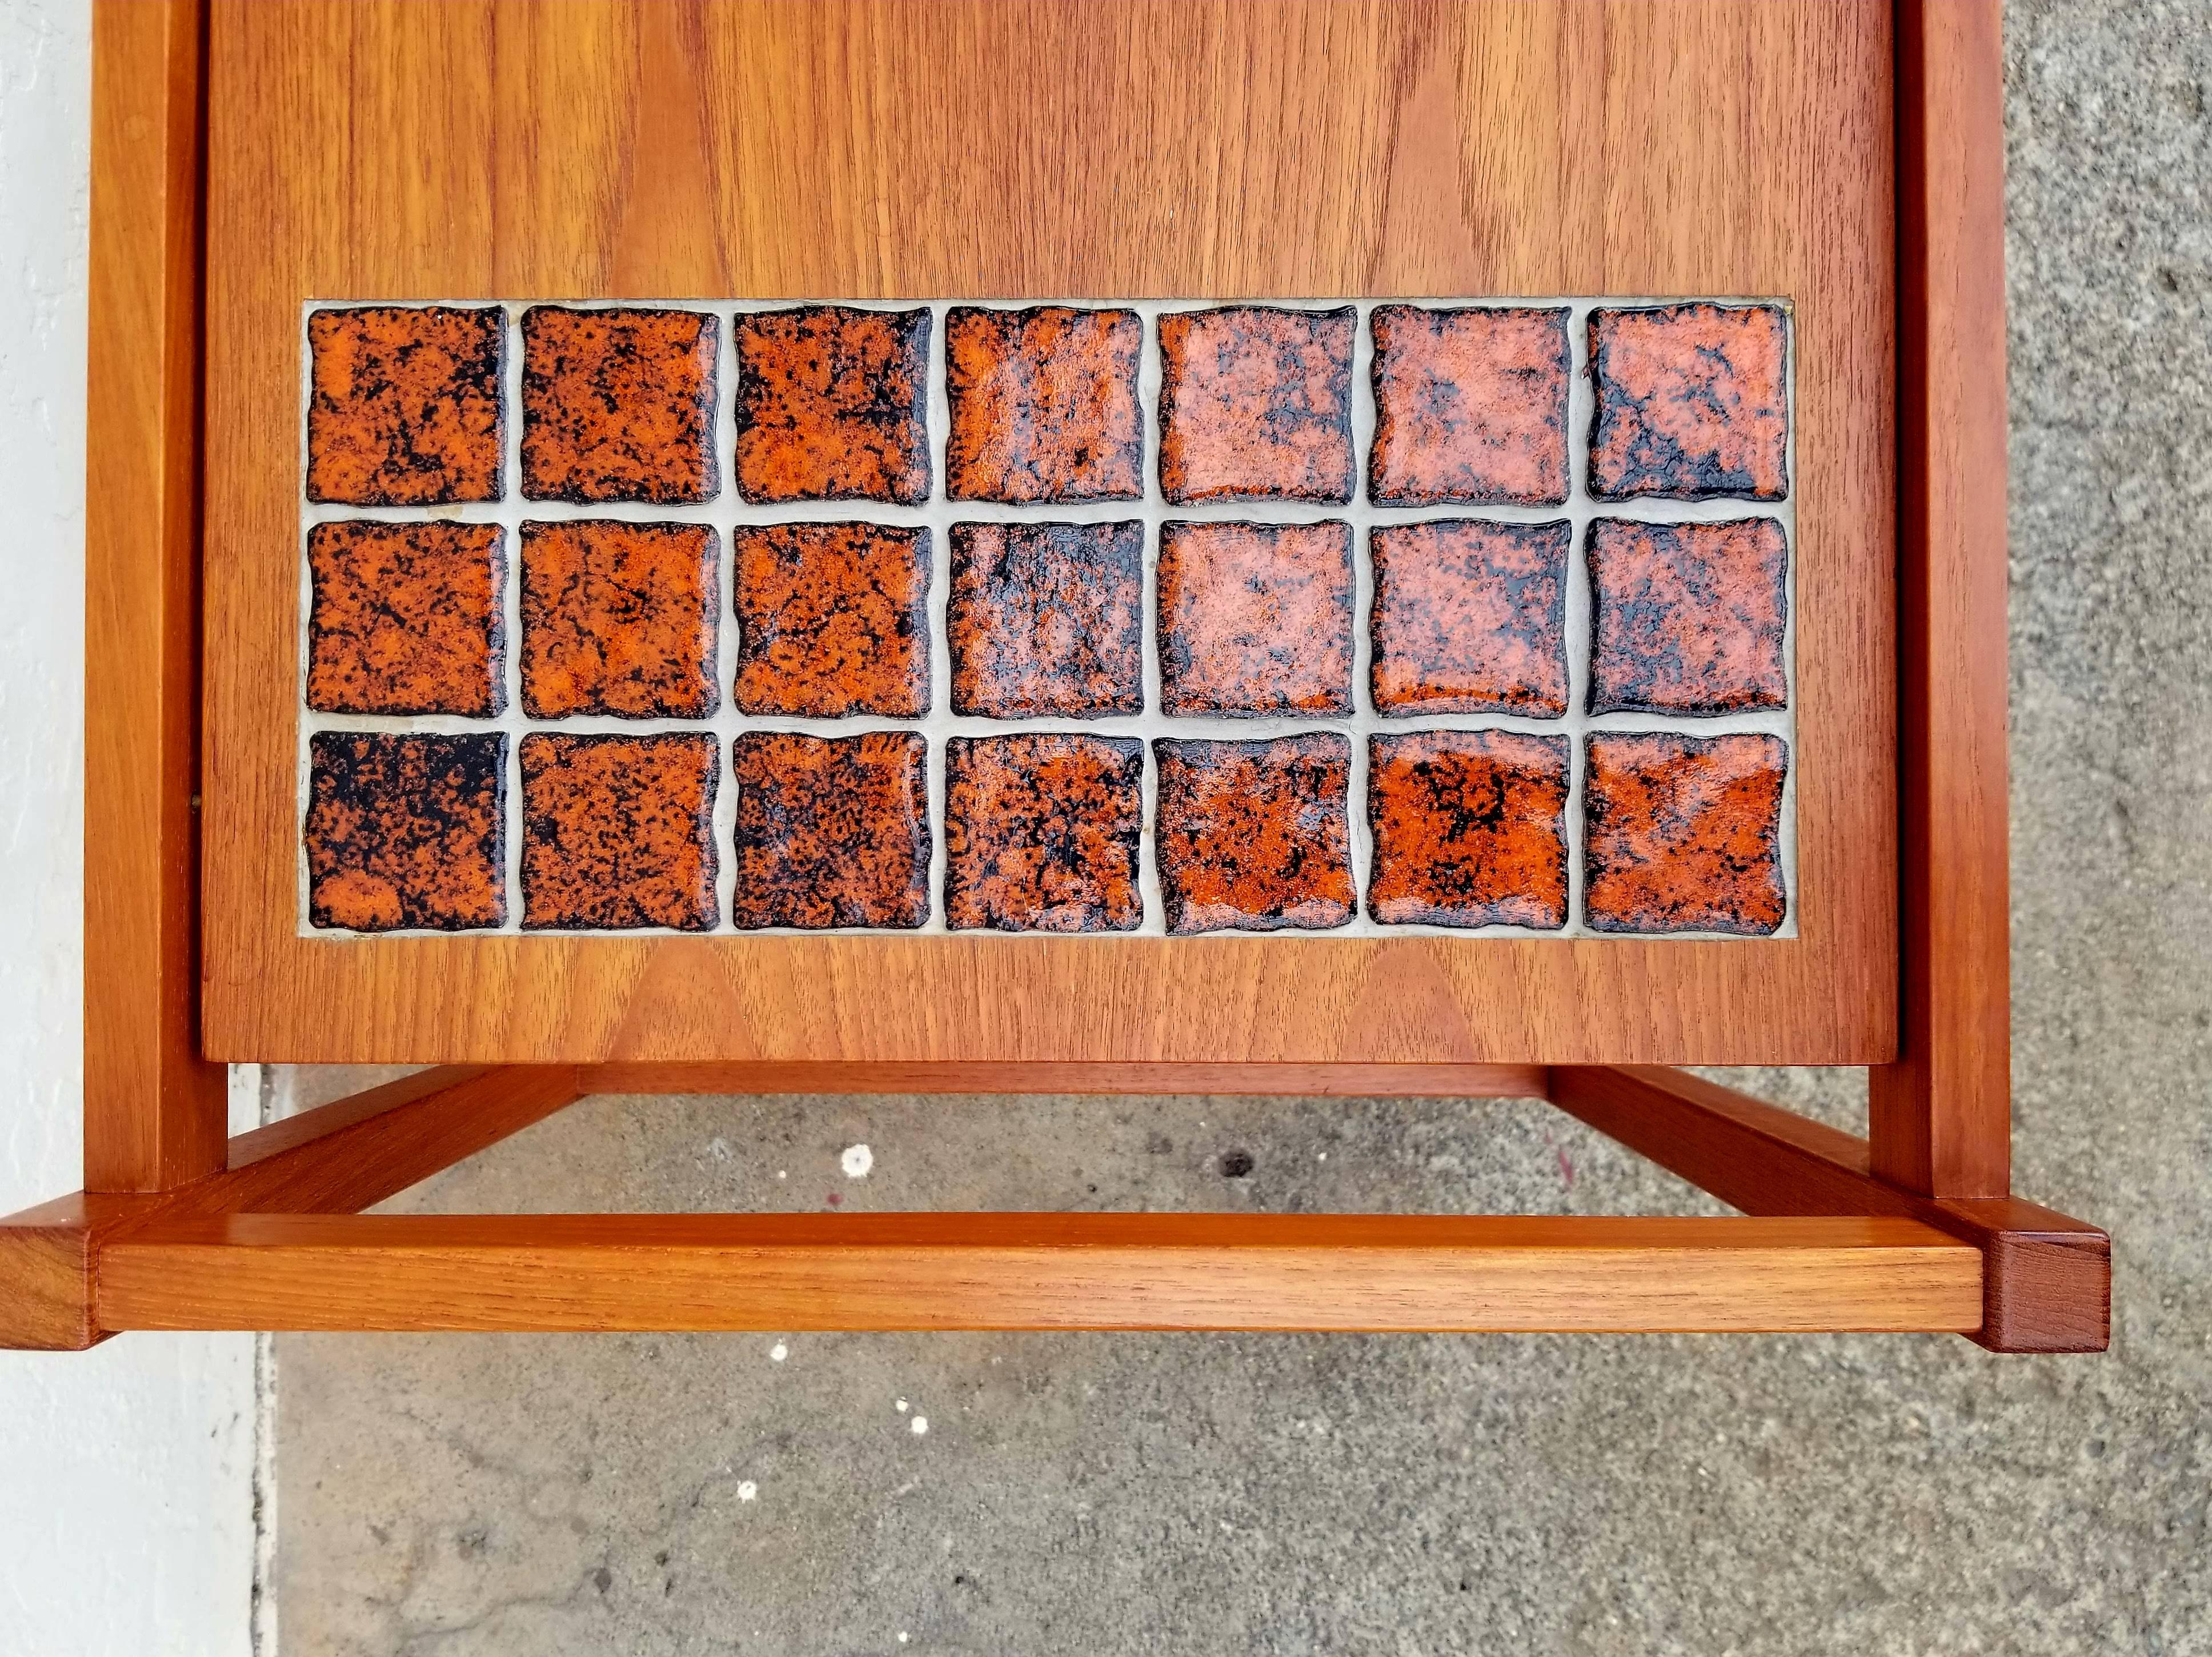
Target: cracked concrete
[[1187, 1494]]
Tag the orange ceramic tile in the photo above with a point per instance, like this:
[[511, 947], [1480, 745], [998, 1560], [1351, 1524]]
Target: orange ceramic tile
[[831, 831], [1683, 834], [1469, 617], [619, 405], [1253, 837], [832, 405], [1470, 405], [406, 831], [1692, 402], [1041, 833], [1256, 618], [1043, 404], [619, 618], [404, 406], [833, 619], [1687, 619], [1255, 404], [406, 618], [618, 831], [1470, 829], [1046, 618]]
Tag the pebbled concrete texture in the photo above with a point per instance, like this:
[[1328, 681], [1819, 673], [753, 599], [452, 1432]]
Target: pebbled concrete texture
[[1191, 1494]]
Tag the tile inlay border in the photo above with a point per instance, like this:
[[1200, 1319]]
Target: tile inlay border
[[1696, 840]]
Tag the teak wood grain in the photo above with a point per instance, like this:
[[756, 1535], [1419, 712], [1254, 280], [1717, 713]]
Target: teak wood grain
[[1038, 1271], [512, 151], [1345, 1081], [2047, 1279], [1941, 1116], [336, 1158], [154, 1109]]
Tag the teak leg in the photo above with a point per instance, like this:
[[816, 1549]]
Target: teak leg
[[2046, 1279]]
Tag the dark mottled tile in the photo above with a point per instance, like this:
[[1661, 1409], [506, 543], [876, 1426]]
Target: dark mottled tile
[[1041, 833], [1470, 405], [1470, 829], [1043, 404], [618, 831], [619, 405], [833, 619], [1254, 837], [1687, 619], [406, 831], [831, 831], [1683, 834], [1046, 618], [405, 405], [1469, 617], [831, 405], [406, 618], [1256, 618], [620, 620], [1692, 402], [1255, 404]]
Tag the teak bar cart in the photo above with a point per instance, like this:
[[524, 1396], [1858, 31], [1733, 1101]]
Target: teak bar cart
[[248, 159]]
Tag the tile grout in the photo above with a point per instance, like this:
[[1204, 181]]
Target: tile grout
[[726, 512]]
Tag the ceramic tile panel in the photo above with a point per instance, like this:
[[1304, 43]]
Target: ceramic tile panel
[[406, 618], [617, 831], [405, 405], [1042, 832], [617, 405], [1453, 617], [831, 831], [406, 832], [620, 619]]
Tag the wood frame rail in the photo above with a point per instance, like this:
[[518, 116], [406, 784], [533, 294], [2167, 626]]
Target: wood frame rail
[[178, 1227]]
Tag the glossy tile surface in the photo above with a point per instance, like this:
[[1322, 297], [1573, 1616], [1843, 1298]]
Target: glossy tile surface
[[832, 404], [1470, 406], [1255, 404], [831, 831], [1470, 616], [1043, 405], [1469, 828], [619, 405], [1256, 618], [617, 831], [406, 618], [1041, 833], [619, 618], [1683, 832], [406, 831], [1692, 402], [1253, 837], [1047, 619], [1453, 617], [1687, 619], [833, 619], [403, 405]]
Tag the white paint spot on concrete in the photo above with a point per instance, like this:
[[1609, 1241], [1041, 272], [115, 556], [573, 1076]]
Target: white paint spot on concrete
[[857, 1161], [783, 1174], [920, 1425], [778, 1353], [902, 1637], [901, 1406], [748, 1490]]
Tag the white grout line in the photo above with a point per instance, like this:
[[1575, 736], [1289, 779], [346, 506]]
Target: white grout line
[[727, 512]]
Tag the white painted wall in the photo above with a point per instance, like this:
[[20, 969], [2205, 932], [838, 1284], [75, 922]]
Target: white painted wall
[[126, 1520]]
